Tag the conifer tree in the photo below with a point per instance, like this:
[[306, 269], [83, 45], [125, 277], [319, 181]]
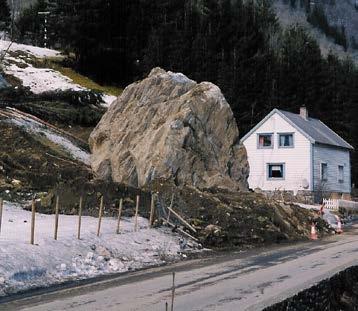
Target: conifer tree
[[5, 16]]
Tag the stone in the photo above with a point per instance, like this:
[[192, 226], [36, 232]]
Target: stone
[[213, 230], [170, 127], [104, 252]]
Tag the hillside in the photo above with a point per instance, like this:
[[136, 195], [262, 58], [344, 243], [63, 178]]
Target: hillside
[[44, 151], [339, 13], [20, 4]]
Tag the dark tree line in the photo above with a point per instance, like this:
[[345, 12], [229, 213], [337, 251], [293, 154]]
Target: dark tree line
[[4, 15], [237, 45]]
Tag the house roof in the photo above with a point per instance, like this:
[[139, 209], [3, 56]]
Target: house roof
[[315, 130]]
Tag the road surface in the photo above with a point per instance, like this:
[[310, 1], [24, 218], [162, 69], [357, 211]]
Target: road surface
[[239, 281]]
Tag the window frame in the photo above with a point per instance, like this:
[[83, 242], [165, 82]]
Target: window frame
[[321, 171], [265, 134], [275, 164], [341, 181], [279, 140]]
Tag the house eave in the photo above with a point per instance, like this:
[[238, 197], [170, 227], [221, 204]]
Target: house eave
[[282, 116], [350, 148]]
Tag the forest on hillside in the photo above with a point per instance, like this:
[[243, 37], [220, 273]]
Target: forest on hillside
[[238, 45]]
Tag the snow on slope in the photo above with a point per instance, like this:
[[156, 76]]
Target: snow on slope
[[39, 80], [35, 127], [29, 49], [24, 266]]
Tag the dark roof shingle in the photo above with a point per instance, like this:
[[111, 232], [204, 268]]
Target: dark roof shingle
[[317, 130]]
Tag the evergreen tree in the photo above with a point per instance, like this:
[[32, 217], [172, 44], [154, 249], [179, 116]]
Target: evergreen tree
[[5, 17]]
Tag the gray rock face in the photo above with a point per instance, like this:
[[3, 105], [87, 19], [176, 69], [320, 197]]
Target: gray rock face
[[169, 127]]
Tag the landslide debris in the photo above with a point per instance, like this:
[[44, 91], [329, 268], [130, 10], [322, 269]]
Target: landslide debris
[[239, 219], [222, 219]]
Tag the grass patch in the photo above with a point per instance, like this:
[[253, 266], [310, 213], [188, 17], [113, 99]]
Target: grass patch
[[54, 63], [87, 82]]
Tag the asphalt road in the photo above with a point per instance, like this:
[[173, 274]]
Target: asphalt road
[[238, 281]]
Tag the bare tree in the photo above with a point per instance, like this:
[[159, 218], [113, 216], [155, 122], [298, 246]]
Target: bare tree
[[321, 191]]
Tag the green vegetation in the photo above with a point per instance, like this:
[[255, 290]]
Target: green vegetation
[[56, 63], [87, 82]]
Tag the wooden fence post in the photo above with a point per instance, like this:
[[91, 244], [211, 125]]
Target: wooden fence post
[[79, 219], [136, 215], [151, 217], [173, 292], [56, 217], [100, 216], [119, 214], [33, 211], [1, 208]]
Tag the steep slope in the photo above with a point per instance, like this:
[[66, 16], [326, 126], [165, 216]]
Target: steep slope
[[20, 4], [339, 13]]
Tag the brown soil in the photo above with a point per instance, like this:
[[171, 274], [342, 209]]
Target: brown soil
[[222, 219], [33, 161], [243, 219]]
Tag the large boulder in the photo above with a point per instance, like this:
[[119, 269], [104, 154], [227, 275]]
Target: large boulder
[[169, 127]]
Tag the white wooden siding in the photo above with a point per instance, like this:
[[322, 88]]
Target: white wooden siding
[[297, 160], [333, 157]]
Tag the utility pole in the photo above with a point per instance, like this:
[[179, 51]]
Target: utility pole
[[45, 15]]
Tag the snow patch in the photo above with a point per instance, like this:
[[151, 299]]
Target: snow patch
[[29, 49], [37, 128], [108, 100], [24, 266], [40, 80]]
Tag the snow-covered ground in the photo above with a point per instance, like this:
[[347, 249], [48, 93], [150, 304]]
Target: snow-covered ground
[[24, 266], [39, 80], [29, 49], [37, 128]]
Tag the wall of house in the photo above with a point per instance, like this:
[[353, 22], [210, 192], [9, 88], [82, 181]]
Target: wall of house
[[297, 160], [333, 157]]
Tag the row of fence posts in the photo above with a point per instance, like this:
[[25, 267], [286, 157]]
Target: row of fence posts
[[100, 214], [80, 210]]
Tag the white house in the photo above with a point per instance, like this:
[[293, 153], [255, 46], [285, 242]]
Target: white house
[[293, 152]]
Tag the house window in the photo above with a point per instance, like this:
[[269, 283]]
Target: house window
[[276, 171], [265, 141], [324, 171], [285, 140], [340, 173]]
